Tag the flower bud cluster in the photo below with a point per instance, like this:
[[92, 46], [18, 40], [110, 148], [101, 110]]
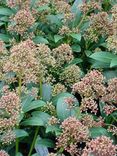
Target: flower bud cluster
[[73, 132], [3, 153], [10, 109], [91, 87], [22, 21], [101, 146], [111, 92], [58, 88], [71, 75], [63, 54]]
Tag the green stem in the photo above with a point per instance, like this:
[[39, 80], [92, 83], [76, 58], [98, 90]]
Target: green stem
[[34, 140], [19, 93], [40, 85], [17, 145], [20, 85], [114, 118], [81, 21], [60, 150], [37, 129]]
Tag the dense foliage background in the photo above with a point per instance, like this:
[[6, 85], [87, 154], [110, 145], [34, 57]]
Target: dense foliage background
[[58, 77]]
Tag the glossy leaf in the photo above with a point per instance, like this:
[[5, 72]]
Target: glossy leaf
[[5, 11], [75, 61], [19, 154], [2, 23], [98, 64], [53, 129], [26, 102], [75, 8], [46, 92], [76, 48], [103, 56], [98, 131], [40, 39], [5, 37], [41, 115], [40, 148], [36, 154], [33, 121], [113, 62], [63, 111], [76, 36], [57, 38], [45, 142], [33, 105], [20, 133], [43, 8]]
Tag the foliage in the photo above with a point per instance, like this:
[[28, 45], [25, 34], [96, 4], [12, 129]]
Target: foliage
[[58, 85]]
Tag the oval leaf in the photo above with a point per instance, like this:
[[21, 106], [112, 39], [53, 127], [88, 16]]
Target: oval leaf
[[6, 11], [103, 56], [40, 39], [57, 38], [20, 133], [98, 131], [113, 62], [46, 92], [41, 115], [76, 48], [5, 38], [76, 36], [33, 105], [62, 108], [33, 121]]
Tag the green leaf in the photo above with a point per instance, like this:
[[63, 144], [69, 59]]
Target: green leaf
[[55, 99], [42, 8], [76, 48], [10, 75], [46, 92], [33, 121], [75, 61], [57, 38], [113, 62], [26, 102], [62, 107], [55, 19], [21, 116], [110, 73], [19, 154], [36, 154], [53, 129], [41, 115], [75, 8], [33, 105], [101, 105], [45, 142], [41, 149], [1, 85], [103, 56], [4, 19], [40, 39], [20, 133], [88, 52], [76, 36], [97, 65], [2, 23], [98, 131], [5, 37], [111, 118], [34, 27], [6, 11]]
